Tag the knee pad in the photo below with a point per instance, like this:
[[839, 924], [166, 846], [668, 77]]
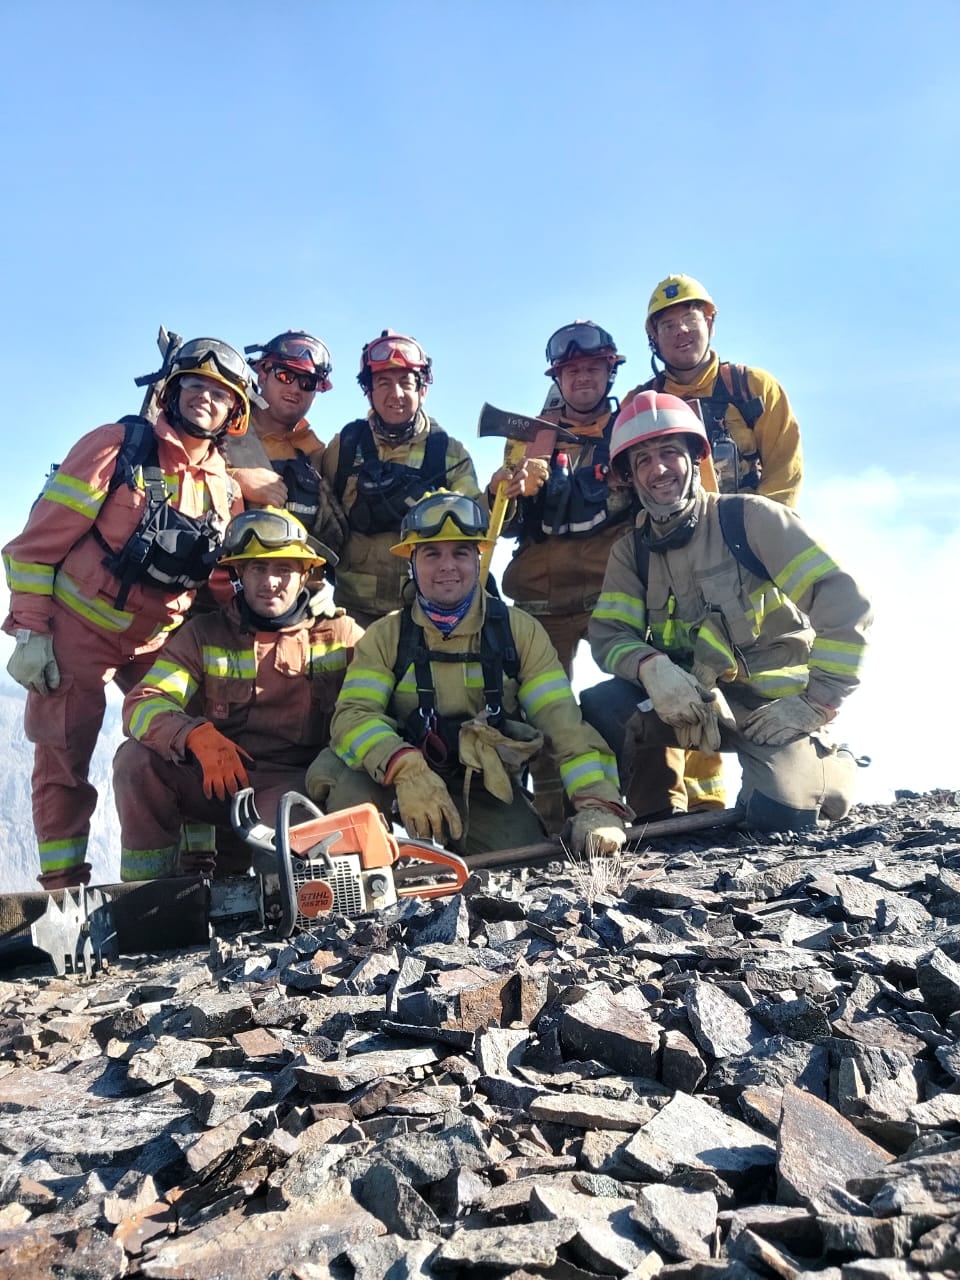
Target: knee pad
[[764, 814]]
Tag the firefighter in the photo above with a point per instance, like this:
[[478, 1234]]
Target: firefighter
[[448, 698], [572, 514], [743, 632], [754, 437], [249, 689], [378, 466], [123, 533], [278, 462]]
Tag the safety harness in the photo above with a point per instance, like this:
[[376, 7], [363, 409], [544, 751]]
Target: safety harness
[[437, 735], [731, 511], [730, 388], [385, 490], [302, 481], [167, 549]]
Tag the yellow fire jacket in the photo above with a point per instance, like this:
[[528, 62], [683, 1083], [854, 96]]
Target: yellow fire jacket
[[373, 705], [804, 628], [775, 437], [369, 578]]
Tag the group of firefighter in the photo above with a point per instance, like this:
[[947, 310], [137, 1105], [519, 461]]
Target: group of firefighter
[[292, 616]]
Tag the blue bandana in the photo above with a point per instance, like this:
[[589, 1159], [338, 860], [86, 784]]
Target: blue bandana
[[445, 619]]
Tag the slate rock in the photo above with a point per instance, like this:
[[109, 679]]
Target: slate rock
[[720, 1026], [690, 1134], [391, 1198], [616, 1029], [816, 1145], [938, 978]]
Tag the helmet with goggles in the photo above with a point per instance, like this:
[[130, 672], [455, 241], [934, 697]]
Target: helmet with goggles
[[296, 349], [671, 293], [582, 338], [442, 516], [272, 534], [655, 413], [393, 351], [207, 358]]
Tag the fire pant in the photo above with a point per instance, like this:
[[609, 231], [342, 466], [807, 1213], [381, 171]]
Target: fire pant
[[783, 788], [703, 781], [488, 823], [656, 789], [155, 796], [64, 727], [566, 630]]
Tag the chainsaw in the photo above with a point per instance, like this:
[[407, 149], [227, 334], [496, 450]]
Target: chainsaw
[[346, 863]]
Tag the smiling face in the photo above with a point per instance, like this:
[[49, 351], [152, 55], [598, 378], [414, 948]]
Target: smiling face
[[683, 336], [204, 402], [661, 468], [395, 395], [287, 401], [583, 382], [446, 572], [271, 587]]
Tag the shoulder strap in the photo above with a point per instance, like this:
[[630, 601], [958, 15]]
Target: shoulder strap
[[350, 438], [731, 509], [139, 450], [641, 555], [733, 387], [434, 465]]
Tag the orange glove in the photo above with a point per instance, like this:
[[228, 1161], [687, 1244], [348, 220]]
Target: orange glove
[[219, 758]]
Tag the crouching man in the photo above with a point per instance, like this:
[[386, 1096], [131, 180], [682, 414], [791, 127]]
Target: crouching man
[[243, 697], [448, 698], [727, 627]]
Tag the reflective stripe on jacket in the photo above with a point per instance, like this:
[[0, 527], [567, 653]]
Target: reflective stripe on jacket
[[804, 627], [57, 554], [270, 692], [372, 705], [369, 578]]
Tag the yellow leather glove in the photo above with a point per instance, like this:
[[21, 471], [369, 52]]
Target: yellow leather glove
[[596, 831], [682, 702], [32, 663], [422, 796]]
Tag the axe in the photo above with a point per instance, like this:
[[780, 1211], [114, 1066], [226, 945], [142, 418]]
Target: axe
[[525, 438]]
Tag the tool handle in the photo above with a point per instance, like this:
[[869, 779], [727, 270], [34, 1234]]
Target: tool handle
[[425, 853]]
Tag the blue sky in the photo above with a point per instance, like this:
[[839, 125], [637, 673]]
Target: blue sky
[[478, 175]]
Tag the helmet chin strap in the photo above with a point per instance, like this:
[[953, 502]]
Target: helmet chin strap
[[663, 513], [395, 433], [180, 423]]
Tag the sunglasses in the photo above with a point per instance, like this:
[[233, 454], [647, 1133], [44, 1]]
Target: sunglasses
[[586, 338], [305, 381], [427, 516]]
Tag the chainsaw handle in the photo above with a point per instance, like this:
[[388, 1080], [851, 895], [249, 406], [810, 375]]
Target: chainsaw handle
[[425, 853]]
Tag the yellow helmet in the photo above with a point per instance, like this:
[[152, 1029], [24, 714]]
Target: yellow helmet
[[272, 534], [218, 361], [442, 516], [673, 290]]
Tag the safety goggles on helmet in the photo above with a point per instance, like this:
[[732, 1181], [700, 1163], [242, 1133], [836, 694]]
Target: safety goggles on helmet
[[394, 351], [583, 338], [287, 376], [426, 517], [231, 364], [298, 349], [271, 534]]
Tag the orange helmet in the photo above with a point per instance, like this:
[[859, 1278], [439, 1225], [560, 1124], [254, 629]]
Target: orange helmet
[[393, 351]]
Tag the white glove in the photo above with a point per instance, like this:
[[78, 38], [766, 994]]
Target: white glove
[[321, 602], [32, 663], [596, 831], [784, 720], [681, 702]]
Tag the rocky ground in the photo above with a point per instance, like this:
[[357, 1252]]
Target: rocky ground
[[732, 1056]]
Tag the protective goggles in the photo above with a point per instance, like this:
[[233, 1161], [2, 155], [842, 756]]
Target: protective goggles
[[582, 337], [194, 354], [298, 346], [222, 396], [272, 529], [305, 381], [427, 516], [404, 351]]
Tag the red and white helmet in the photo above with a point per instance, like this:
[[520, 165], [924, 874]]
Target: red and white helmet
[[655, 413]]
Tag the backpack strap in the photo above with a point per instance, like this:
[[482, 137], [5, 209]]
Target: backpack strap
[[139, 450], [350, 438], [731, 509], [641, 556], [733, 387]]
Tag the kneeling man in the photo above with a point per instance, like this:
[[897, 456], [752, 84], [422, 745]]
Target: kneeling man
[[727, 627], [448, 699], [238, 698]]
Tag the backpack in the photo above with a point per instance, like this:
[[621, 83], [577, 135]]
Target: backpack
[[385, 490], [731, 509]]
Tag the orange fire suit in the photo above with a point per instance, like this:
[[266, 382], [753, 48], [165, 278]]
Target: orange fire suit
[[557, 578], [59, 586], [369, 579], [270, 692]]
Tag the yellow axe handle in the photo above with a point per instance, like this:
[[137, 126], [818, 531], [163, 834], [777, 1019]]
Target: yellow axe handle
[[513, 455]]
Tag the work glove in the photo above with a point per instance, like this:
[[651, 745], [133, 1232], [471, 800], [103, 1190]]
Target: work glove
[[682, 702], [425, 803], [498, 754], [32, 663], [321, 603], [331, 525], [596, 831], [784, 720], [220, 759]]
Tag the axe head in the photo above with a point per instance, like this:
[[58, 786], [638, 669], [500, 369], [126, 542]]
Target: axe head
[[539, 435]]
